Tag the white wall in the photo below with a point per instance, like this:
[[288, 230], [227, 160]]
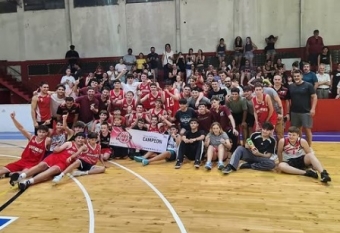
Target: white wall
[[22, 112], [111, 30]]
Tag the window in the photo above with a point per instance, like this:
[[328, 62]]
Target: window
[[35, 5], [141, 1], [89, 3], [8, 7]]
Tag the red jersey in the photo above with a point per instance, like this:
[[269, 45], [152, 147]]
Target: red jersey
[[135, 117], [126, 105], [91, 156], [43, 110], [116, 96], [170, 103], [153, 128], [152, 99], [34, 151], [157, 113], [144, 88], [262, 110]]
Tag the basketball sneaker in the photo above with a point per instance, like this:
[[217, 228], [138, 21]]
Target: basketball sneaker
[[197, 164], [15, 178], [178, 165], [228, 169], [57, 178], [208, 165], [325, 177], [79, 173], [138, 159], [24, 185], [220, 166], [145, 162], [311, 173]]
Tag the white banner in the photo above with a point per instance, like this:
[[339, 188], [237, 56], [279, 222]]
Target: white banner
[[138, 139]]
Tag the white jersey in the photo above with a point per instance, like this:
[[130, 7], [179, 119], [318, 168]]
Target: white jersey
[[172, 145], [291, 151]]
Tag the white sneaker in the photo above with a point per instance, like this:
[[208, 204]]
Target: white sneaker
[[57, 179], [273, 157], [78, 173]]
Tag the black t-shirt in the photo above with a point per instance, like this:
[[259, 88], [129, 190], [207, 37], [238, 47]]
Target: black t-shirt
[[184, 117], [191, 135], [300, 96], [263, 145], [221, 93], [153, 60]]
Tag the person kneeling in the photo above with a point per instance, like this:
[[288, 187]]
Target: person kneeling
[[295, 156], [259, 148], [169, 155], [86, 163]]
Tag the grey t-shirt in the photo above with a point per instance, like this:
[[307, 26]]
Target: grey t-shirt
[[215, 140], [129, 59], [272, 93]]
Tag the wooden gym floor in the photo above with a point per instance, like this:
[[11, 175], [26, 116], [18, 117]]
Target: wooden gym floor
[[128, 198]]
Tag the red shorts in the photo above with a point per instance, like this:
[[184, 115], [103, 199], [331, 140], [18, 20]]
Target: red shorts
[[59, 160], [20, 165], [106, 151]]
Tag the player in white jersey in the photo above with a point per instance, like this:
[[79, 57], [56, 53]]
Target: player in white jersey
[[295, 156]]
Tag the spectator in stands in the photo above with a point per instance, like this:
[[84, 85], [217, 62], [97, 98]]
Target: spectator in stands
[[141, 62], [221, 51], [191, 145], [246, 72], [120, 66], [279, 65], [238, 50], [324, 83], [190, 60], [72, 56], [314, 47], [270, 48], [68, 80], [335, 80], [180, 63], [153, 60], [309, 76], [248, 51], [129, 60], [325, 58], [167, 60], [338, 91], [200, 58], [257, 152], [78, 73], [303, 105]]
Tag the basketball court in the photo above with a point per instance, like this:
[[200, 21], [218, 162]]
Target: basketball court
[[158, 198]]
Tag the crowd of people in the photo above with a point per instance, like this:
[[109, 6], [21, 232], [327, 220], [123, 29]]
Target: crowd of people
[[214, 114]]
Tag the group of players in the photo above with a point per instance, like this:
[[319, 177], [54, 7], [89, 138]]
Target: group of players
[[203, 121]]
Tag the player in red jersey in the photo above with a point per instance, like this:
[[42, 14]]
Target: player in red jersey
[[171, 98], [263, 108], [33, 152], [86, 162], [151, 97], [41, 107], [53, 164], [116, 95], [157, 110], [143, 88], [154, 125], [129, 103], [139, 114]]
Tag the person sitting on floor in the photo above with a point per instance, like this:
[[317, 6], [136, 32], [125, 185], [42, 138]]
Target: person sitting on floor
[[295, 156], [259, 148]]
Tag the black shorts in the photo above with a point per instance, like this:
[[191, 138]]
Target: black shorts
[[298, 162], [250, 120], [172, 157], [238, 118], [84, 166]]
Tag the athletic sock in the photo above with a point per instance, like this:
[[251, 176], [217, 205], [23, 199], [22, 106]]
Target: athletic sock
[[62, 174], [23, 175], [31, 181]]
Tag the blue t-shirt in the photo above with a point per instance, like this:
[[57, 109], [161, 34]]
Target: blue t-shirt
[[310, 78]]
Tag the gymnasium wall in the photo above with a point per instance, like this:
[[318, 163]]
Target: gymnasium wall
[[108, 31]]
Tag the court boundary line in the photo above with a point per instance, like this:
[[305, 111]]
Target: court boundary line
[[160, 195], [84, 191], [12, 219]]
